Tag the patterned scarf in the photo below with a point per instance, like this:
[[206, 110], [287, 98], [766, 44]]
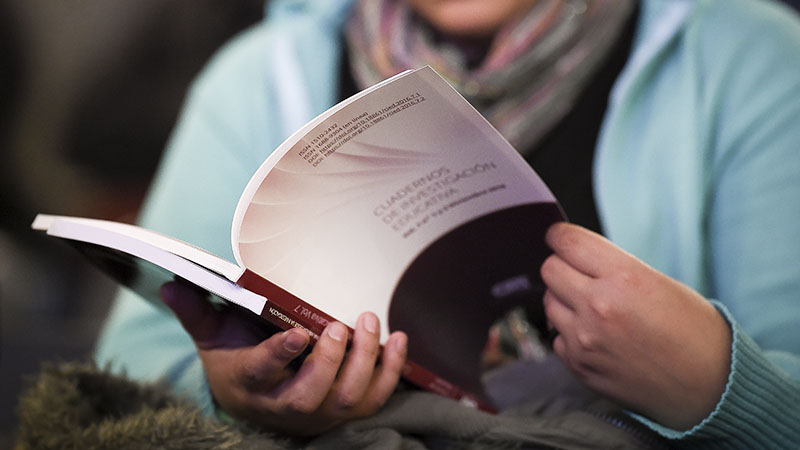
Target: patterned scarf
[[527, 81]]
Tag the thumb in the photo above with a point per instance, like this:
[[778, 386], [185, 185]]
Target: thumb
[[263, 367], [196, 314]]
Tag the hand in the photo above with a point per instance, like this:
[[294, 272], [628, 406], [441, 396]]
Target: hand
[[631, 333], [250, 380]]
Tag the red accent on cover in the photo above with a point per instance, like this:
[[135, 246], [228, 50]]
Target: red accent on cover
[[287, 310], [283, 308]]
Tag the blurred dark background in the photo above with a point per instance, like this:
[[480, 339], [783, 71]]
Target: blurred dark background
[[89, 91]]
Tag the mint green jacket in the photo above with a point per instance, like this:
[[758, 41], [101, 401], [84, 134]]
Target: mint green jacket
[[697, 172]]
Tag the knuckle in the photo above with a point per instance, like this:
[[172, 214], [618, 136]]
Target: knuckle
[[578, 366], [346, 400], [604, 309], [371, 350], [575, 368], [279, 356], [560, 348], [330, 359], [583, 371], [297, 405], [547, 269], [586, 341], [249, 375], [555, 233], [564, 236], [548, 299], [628, 278], [279, 405], [391, 365]]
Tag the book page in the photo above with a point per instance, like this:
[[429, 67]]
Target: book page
[[84, 229], [144, 260], [405, 202]]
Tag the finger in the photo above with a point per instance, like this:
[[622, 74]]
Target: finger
[[305, 392], [262, 367], [577, 363], [197, 316], [585, 250], [561, 317], [388, 372], [573, 345], [583, 367], [354, 379], [568, 284], [560, 349]]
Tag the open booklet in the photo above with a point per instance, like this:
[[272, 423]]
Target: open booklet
[[401, 200]]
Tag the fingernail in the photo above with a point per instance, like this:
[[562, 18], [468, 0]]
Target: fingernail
[[294, 342], [370, 323], [401, 343], [337, 331]]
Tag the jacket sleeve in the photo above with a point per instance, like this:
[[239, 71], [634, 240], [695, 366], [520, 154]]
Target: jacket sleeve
[[753, 226], [220, 140], [256, 91]]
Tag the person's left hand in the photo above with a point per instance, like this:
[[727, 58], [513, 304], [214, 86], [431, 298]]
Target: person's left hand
[[632, 333]]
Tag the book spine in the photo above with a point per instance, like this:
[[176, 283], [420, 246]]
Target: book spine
[[283, 308], [287, 311], [428, 380]]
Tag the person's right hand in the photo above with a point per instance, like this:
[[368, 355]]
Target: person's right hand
[[249, 375]]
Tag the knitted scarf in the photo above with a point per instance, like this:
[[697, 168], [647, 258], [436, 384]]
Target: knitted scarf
[[530, 77]]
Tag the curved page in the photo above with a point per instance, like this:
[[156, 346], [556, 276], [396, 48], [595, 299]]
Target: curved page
[[408, 203]]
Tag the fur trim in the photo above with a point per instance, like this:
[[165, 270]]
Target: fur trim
[[76, 406]]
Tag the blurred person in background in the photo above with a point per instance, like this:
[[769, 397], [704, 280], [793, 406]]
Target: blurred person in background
[[667, 129]]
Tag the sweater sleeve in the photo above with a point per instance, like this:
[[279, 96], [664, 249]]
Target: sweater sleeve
[[752, 225], [758, 408]]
